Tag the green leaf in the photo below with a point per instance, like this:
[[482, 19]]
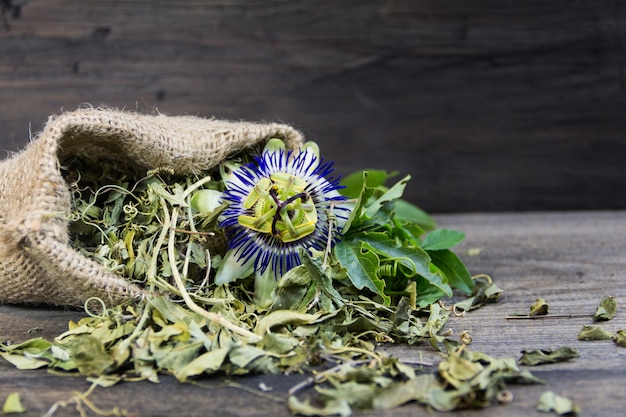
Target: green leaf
[[413, 214], [392, 194], [426, 293], [411, 257], [457, 274], [362, 267], [356, 215], [370, 178], [442, 239]]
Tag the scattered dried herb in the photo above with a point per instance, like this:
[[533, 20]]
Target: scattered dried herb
[[606, 309], [539, 308], [484, 292], [620, 338], [464, 379], [474, 251], [551, 402], [285, 293], [593, 332], [13, 404], [544, 356]]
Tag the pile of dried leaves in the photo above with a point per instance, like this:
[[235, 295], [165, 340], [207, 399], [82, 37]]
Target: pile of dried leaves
[[381, 283]]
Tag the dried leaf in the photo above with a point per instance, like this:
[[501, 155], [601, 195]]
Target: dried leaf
[[23, 362], [539, 308], [292, 290], [337, 407], [456, 370], [606, 310], [284, 317], [30, 354], [89, 355], [13, 404], [549, 402], [208, 362], [485, 291], [620, 338], [593, 332], [415, 389], [543, 356]]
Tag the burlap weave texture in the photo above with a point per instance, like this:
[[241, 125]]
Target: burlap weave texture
[[36, 263]]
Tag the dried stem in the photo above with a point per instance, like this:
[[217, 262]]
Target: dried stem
[[216, 318]]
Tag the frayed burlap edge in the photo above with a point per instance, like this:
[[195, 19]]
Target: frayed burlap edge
[[36, 263]]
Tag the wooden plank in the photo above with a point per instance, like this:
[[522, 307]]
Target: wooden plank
[[489, 107], [572, 259]]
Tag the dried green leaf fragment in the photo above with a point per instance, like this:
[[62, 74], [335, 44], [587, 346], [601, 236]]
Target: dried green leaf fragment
[[13, 404], [27, 355], [544, 356], [620, 338], [539, 308], [89, 355], [484, 292], [606, 309], [551, 402], [593, 332], [305, 408]]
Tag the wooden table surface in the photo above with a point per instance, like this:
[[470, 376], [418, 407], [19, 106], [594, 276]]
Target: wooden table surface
[[572, 259]]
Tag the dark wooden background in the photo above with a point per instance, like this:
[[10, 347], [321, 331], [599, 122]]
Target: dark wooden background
[[490, 105]]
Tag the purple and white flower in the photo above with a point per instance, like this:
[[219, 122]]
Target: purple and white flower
[[278, 204]]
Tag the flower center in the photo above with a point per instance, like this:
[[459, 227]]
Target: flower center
[[279, 205]]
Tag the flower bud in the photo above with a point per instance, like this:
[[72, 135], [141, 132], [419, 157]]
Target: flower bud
[[206, 201]]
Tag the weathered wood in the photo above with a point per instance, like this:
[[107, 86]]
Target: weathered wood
[[488, 106], [571, 259]]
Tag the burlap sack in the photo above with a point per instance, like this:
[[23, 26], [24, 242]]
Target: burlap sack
[[36, 263]]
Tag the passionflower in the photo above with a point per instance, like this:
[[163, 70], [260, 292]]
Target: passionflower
[[280, 203]]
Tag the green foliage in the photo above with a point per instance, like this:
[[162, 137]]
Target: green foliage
[[388, 244]]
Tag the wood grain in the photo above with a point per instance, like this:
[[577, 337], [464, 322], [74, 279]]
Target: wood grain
[[489, 106], [571, 259]]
